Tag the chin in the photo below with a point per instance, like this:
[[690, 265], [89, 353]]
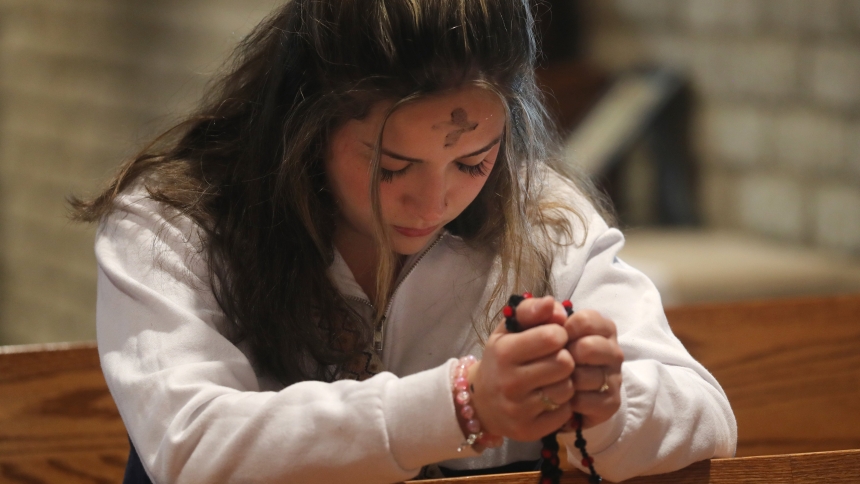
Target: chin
[[411, 245]]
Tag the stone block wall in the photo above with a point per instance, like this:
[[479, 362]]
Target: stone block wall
[[84, 84], [777, 124]]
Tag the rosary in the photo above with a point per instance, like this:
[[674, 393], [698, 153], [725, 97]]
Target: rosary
[[550, 471]]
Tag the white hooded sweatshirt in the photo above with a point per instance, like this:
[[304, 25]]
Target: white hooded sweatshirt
[[197, 411]]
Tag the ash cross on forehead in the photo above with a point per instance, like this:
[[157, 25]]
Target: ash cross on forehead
[[461, 124]]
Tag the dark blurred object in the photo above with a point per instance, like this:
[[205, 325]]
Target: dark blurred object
[[560, 30], [641, 115], [572, 89], [572, 85], [635, 137]]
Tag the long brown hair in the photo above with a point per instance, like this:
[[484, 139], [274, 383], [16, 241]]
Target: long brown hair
[[247, 167]]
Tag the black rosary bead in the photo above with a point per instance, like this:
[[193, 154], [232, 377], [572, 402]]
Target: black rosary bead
[[549, 470], [511, 323]]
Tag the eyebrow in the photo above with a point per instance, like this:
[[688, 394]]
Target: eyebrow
[[418, 160]]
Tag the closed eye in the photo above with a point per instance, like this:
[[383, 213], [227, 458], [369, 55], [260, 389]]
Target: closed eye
[[389, 175], [479, 170]]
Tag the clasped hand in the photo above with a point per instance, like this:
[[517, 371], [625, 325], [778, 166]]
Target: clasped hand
[[556, 361]]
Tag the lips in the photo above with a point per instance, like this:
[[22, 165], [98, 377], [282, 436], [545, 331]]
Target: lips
[[410, 232]]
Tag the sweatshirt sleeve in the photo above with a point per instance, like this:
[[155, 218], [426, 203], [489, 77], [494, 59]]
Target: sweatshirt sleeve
[[673, 411], [191, 401]]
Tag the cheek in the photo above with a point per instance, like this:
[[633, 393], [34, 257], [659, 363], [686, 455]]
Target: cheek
[[356, 183], [349, 182], [465, 191], [391, 197]]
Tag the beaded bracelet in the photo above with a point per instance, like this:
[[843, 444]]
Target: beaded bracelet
[[550, 471], [463, 397]]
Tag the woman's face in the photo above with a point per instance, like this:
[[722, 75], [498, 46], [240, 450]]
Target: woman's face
[[436, 155]]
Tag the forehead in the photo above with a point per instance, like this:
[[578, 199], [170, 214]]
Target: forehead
[[450, 119]]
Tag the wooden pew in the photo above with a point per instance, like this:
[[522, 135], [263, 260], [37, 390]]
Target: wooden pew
[[791, 369], [842, 467], [58, 422]]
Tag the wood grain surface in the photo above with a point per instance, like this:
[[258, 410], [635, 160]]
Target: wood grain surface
[[842, 467], [101, 466], [791, 369], [58, 422]]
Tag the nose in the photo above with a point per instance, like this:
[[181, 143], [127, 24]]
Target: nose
[[427, 200]]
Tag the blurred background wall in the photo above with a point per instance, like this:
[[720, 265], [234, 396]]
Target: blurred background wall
[[777, 121], [84, 83]]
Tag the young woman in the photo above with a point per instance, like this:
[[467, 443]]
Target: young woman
[[287, 278]]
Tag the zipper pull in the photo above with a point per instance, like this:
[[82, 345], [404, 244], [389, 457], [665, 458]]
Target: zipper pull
[[379, 336]]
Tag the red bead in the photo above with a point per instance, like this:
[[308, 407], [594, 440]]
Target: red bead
[[546, 480], [566, 303], [508, 311], [527, 295], [554, 461], [546, 453], [587, 461]]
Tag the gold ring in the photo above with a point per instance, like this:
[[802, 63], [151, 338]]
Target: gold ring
[[547, 403], [605, 385]]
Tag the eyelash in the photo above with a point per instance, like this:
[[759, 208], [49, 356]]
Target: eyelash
[[388, 175], [472, 170]]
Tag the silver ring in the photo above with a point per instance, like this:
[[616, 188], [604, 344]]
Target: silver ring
[[605, 385], [547, 403]]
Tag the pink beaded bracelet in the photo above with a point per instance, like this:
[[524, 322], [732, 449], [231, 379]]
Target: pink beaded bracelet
[[463, 398]]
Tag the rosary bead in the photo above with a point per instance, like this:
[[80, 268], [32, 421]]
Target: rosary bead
[[550, 472], [460, 384], [491, 441], [467, 412]]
